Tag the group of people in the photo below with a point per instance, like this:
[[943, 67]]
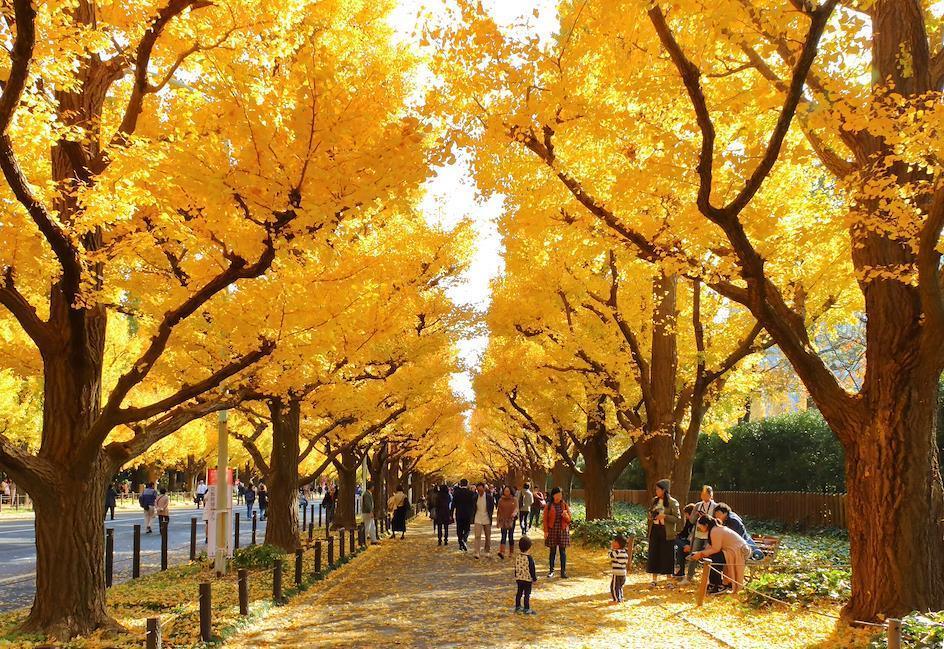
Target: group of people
[[154, 502], [680, 538]]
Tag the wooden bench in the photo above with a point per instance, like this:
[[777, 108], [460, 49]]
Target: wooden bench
[[769, 545]]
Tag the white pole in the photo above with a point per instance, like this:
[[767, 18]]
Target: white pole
[[223, 501]]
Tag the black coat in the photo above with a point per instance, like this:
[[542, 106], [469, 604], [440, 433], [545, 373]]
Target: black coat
[[463, 503], [443, 506]]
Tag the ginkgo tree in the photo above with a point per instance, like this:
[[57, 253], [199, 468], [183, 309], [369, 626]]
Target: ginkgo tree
[[158, 158], [734, 110], [635, 357]]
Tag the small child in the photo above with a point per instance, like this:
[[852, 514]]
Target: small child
[[619, 559], [525, 575]]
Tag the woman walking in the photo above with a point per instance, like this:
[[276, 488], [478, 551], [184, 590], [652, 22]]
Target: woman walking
[[443, 515], [557, 530], [263, 496], [665, 517], [507, 517], [162, 509], [398, 505]]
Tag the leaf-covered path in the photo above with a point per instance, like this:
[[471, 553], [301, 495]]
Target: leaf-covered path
[[412, 593]]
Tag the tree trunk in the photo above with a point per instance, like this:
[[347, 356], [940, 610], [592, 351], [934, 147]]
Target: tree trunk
[[597, 488], [561, 476], [896, 522], [282, 516], [70, 546], [347, 482]]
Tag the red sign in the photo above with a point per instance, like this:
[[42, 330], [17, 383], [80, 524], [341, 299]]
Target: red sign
[[211, 476]]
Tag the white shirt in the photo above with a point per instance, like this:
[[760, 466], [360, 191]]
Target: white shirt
[[201, 489], [481, 511]]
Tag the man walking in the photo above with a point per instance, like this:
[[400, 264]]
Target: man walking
[[484, 506], [367, 513], [147, 500], [525, 500], [463, 509]]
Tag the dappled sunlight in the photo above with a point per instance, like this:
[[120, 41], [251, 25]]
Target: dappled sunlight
[[414, 593]]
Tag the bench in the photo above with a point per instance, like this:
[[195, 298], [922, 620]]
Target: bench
[[769, 545]]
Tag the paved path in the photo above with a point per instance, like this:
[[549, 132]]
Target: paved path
[[412, 593]]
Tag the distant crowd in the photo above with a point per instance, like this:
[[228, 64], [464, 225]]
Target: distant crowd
[[678, 538]]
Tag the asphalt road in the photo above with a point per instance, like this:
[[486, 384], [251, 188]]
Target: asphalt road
[[18, 550]]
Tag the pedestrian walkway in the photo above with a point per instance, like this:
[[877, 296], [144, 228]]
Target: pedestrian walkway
[[412, 593]]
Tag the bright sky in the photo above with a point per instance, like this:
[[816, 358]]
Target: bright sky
[[452, 194]]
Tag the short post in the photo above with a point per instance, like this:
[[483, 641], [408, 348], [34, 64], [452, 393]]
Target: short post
[[341, 543], [236, 531], [311, 518], [298, 566], [703, 584], [255, 522], [164, 534], [317, 557], [136, 553], [243, 582], [319, 514], [331, 552], [153, 640], [205, 611], [193, 538], [109, 556], [277, 581], [351, 540], [305, 516], [361, 533], [311, 531], [894, 634]]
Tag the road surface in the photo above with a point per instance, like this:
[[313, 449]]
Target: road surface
[[18, 549]]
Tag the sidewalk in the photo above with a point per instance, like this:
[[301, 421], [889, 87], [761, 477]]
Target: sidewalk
[[413, 593]]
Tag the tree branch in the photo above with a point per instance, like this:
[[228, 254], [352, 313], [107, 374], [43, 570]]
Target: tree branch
[[24, 312]]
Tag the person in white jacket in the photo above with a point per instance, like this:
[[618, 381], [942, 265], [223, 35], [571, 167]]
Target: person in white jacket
[[525, 500]]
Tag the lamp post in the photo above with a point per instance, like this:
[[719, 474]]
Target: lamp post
[[224, 500]]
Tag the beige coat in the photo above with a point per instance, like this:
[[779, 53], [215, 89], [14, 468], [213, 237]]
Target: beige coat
[[735, 550]]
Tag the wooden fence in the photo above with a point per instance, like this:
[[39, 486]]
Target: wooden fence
[[790, 507]]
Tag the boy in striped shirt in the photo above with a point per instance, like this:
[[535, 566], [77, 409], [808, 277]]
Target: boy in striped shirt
[[619, 559]]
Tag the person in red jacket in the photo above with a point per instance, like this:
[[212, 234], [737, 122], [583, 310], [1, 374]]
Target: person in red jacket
[[557, 530]]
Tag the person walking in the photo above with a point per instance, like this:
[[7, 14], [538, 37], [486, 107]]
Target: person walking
[[367, 513], [537, 507], [484, 506], [398, 505], [525, 501], [525, 575], [463, 508], [619, 559], [250, 495], [200, 498], [147, 499], [327, 504], [162, 509], [263, 496], [443, 514], [665, 518], [111, 500], [557, 531], [507, 519]]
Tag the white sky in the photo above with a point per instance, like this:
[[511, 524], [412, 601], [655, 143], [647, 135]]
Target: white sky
[[451, 195]]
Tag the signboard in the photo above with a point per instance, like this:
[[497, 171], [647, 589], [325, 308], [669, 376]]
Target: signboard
[[216, 508]]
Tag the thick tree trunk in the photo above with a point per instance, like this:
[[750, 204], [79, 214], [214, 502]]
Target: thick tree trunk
[[896, 522], [347, 482], [561, 476], [597, 488], [538, 478], [282, 516], [70, 545]]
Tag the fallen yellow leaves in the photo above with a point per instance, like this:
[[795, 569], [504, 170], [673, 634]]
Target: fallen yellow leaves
[[413, 593]]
